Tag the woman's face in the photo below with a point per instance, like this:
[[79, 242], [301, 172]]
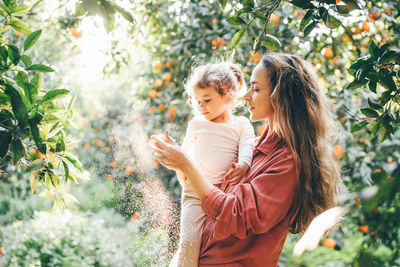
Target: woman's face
[[258, 96]]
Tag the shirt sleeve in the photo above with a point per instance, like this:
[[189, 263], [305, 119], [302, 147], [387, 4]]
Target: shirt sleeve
[[189, 133], [256, 206], [246, 143]]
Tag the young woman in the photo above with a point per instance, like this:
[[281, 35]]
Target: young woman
[[292, 178]]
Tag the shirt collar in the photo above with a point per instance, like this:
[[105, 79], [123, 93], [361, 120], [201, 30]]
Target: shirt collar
[[266, 144]]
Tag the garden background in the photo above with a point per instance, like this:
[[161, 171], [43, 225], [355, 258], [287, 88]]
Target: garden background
[[84, 83]]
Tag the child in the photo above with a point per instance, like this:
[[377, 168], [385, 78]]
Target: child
[[214, 139]]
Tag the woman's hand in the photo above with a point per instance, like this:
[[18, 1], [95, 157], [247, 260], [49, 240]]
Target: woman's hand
[[167, 152]]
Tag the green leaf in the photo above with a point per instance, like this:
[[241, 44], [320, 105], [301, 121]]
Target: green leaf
[[308, 29], [5, 141], [5, 8], [20, 10], [372, 86], [374, 104], [19, 109], [361, 62], [26, 60], [31, 39], [66, 170], [333, 22], [348, 7], [248, 3], [236, 38], [20, 26], [21, 79], [33, 181], [358, 126], [386, 79], [17, 150], [40, 67], [223, 4], [374, 50], [271, 42], [71, 158], [306, 19], [53, 94], [37, 164], [304, 4], [7, 119], [369, 112], [375, 127], [79, 10], [388, 57], [245, 10], [37, 114], [37, 80], [3, 53], [13, 54], [355, 84], [3, 99], [36, 137], [235, 20]]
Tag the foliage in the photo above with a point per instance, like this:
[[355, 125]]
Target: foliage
[[63, 240]]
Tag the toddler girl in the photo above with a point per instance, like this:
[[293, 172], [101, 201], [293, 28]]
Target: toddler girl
[[214, 139]]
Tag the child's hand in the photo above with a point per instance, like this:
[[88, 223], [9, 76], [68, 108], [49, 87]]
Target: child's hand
[[236, 174]]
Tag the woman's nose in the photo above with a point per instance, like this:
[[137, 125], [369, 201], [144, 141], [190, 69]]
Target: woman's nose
[[247, 96]]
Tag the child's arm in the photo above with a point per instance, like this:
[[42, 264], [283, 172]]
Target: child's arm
[[245, 151]]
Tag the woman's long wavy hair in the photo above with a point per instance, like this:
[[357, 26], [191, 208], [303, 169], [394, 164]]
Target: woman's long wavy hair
[[302, 118]]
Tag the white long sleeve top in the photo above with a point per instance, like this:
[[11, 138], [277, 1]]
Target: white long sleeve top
[[214, 146]]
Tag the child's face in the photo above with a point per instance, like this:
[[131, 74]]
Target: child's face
[[213, 106]]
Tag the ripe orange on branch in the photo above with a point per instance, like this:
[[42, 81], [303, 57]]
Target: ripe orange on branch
[[158, 83], [157, 65], [167, 77], [364, 229], [329, 243], [338, 152], [274, 18], [365, 27], [327, 52]]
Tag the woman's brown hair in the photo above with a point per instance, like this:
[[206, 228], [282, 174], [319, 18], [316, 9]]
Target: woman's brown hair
[[301, 117]]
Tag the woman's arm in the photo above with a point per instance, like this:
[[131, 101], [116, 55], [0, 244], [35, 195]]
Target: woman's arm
[[173, 157]]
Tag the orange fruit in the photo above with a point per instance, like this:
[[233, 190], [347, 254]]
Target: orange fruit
[[157, 65], [1, 250], [214, 21], [329, 243], [169, 63], [365, 27], [214, 43], [357, 201], [338, 152], [255, 56], [18, 33], [337, 2], [114, 164], [111, 139], [342, 120], [207, 30], [362, 141], [40, 154], [153, 93], [391, 160], [388, 11], [345, 38], [167, 77], [161, 107], [261, 129], [129, 170], [158, 83], [364, 229], [220, 42], [110, 177], [152, 109], [298, 14], [355, 30], [274, 18], [86, 146], [135, 216], [171, 112], [108, 149], [245, 70], [75, 33], [334, 62], [327, 52]]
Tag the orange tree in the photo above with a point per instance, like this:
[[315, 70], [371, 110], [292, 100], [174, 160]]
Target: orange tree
[[353, 45]]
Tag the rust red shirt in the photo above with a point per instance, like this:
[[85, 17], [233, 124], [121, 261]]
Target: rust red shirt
[[247, 223]]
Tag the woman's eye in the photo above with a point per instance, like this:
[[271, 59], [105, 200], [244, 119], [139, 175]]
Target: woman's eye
[[256, 90]]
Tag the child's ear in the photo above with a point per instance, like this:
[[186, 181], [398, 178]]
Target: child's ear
[[228, 97]]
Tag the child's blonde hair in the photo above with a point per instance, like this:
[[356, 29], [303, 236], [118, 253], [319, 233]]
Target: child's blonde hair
[[224, 77]]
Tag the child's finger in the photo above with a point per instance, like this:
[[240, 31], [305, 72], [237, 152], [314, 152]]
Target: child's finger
[[168, 138], [159, 142], [155, 148]]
